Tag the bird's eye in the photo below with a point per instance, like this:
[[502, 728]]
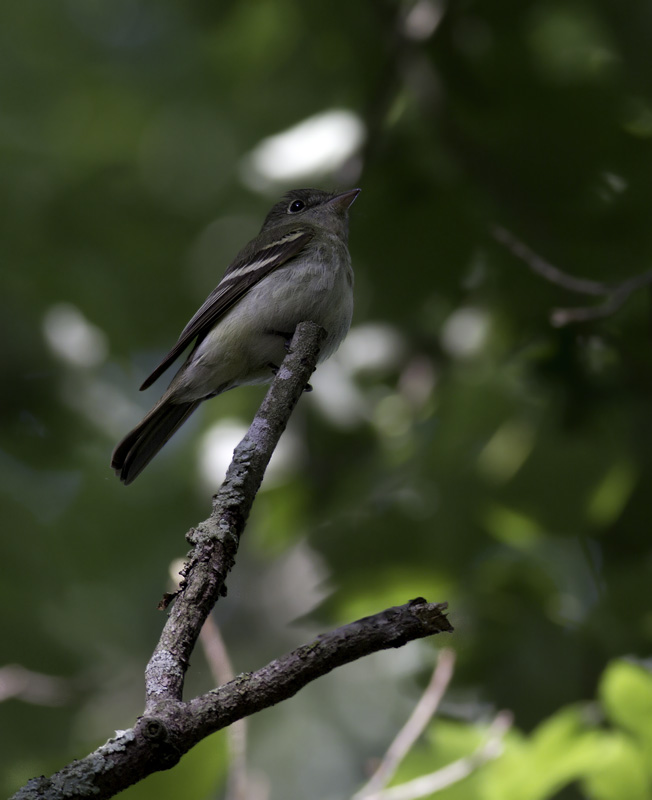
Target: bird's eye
[[296, 206]]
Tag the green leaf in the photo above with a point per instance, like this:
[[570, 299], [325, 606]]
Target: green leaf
[[621, 773], [559, 751], [626, 694]]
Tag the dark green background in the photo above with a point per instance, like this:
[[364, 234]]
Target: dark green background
[[511, 480]]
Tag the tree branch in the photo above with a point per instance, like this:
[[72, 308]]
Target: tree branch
[[283, 677], [159, 739], [170, 727], [456, 771], [615, 293], [221, 669], [414, 727], [216, 540]]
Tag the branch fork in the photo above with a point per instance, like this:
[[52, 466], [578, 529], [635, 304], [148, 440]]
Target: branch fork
[[170, 727]]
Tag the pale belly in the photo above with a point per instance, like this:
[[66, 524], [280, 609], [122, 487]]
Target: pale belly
[[249, 340]]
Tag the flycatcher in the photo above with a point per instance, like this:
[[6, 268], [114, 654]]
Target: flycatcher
[[297, 269]]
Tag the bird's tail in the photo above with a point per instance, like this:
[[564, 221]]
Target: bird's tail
[[140, 445]]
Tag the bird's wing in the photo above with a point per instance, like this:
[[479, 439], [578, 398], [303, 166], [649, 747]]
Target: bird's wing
[[268, 252]]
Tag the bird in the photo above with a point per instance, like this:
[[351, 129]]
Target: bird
[[297, 269]]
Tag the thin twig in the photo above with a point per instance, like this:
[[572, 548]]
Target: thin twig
[[565, 316], [17, 681], [426, 785], [219, 663], [548, 270], [616, 293], [414, 727]]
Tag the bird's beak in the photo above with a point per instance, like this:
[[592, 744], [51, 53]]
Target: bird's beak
[[342, 202]]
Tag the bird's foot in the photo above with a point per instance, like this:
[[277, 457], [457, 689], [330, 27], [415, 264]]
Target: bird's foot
[[287, 338]]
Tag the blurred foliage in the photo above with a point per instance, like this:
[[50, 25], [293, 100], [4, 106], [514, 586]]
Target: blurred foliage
[[459, 447], [595, 746]]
